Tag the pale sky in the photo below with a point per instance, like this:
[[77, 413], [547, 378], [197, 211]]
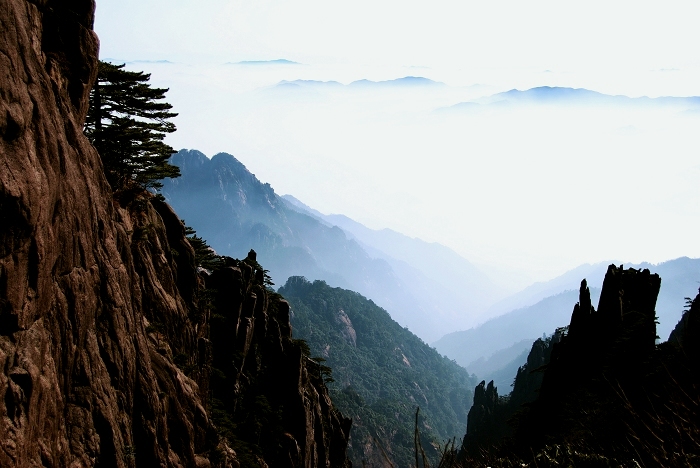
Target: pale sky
[[529, 192]]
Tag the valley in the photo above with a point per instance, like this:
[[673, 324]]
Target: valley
[[450, 236]]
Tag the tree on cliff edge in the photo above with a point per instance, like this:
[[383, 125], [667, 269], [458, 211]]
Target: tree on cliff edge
[[127, 122]]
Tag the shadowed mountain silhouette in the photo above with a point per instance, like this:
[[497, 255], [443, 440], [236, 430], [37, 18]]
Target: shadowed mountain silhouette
[[235, 212], [601, 386]]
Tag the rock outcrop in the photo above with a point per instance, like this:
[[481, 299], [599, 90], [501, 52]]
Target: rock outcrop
[[605, 388], [105, 351], [605, 351], [686, 334], [270, 393], [489, 423], [483, 421]]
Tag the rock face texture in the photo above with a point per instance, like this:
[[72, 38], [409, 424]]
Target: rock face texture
[[105, 356], [270, 394], [81, 277]]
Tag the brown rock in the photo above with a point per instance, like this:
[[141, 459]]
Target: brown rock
[[105, 337], [81, 276]]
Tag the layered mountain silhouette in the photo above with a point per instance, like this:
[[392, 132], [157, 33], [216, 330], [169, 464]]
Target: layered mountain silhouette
[[572, 96], [235, 212], [450, 281], [540, 308], [265, 62], [600, 391], [405, 82]]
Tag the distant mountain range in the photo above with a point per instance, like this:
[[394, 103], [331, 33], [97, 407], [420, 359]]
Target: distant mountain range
[[534, 293], [407, 81], [313, 84], [425, 287], [577, 96], [450, 281], [514, 98], [265, 62]]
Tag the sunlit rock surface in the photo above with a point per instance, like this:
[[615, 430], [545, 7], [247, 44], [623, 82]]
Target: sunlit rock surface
[[105, 357]]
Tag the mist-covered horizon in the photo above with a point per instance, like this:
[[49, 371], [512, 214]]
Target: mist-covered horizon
[[524, 188]]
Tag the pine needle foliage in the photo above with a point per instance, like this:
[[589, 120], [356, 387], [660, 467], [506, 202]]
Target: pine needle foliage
[[204, 256], [127, 121]]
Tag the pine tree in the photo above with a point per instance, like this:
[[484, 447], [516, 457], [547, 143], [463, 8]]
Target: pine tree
[[204, 255], [127, 122]]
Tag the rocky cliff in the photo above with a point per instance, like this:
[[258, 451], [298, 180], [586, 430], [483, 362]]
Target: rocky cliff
[[601, 388], [490, 419], [269, 397], [105, 350]]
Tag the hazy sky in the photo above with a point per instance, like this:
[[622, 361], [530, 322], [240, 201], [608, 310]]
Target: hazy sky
[[535, 190]]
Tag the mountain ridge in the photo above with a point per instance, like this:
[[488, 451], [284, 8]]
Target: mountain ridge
[[265, 62], [599, 391], [565, 95], [682, 276], [243, 213], [443, 267], [404, 82], [380, 371]]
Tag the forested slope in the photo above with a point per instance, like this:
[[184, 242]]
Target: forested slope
[[382, 372]]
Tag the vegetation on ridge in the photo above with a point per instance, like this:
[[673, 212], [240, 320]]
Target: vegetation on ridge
[[381, 373], [127, 121]]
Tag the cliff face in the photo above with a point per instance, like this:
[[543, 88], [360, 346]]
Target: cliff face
[[270, 396], [81, 278], [490, 418], [105, 358], [603, 386]]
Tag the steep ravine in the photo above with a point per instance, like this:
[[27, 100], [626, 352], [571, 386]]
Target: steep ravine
[[99, 294]]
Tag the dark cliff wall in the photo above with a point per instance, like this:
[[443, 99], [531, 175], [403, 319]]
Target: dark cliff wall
[[491, 418], [105, 357], [604, 387], [271, 399]]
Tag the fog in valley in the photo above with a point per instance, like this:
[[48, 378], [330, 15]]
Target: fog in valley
[[308, 233], [528, 144], [526, 188]]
